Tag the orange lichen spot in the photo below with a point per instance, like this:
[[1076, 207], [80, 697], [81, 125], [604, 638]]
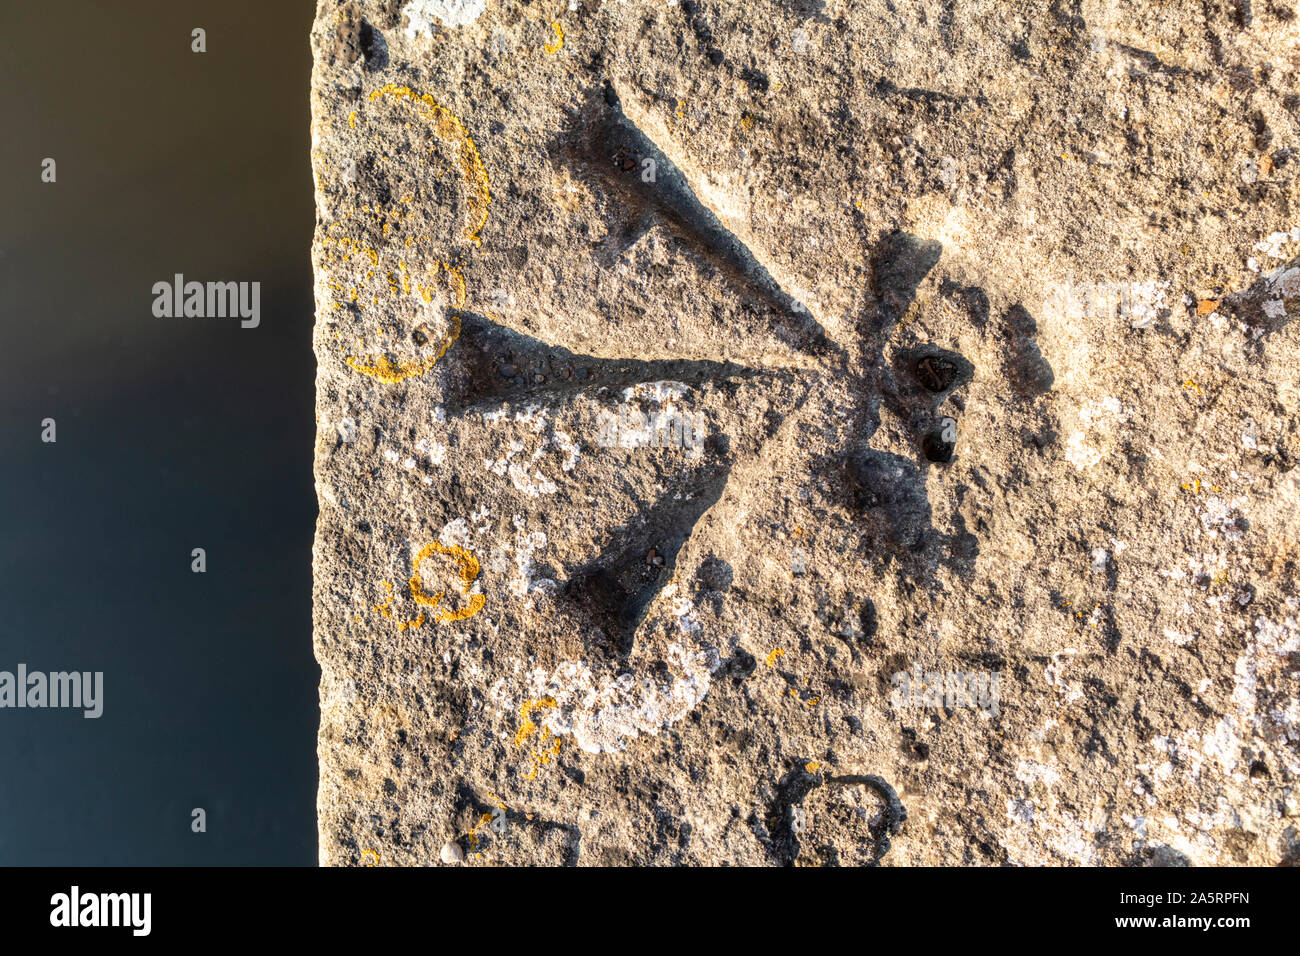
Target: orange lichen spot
[[527, 725], [476, 602], [1194, 486], [483, 820], [541, 757], [1191, 386], [771, 658], [449, 128], [468, 570], [412, 625], [384, 609], [558, 45], [390, 372], [458, 284], [1206, 306]]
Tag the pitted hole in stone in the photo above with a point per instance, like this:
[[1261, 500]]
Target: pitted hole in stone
[[936, 447], [936, 371]]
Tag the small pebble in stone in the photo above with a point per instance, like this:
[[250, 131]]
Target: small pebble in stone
[[509, 371], [539, 379], [452, 853]]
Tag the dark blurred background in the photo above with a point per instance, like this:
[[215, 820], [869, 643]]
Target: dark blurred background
[[173, 434]]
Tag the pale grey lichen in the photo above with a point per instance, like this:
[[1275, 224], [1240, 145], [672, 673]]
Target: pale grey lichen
[[421, 14]]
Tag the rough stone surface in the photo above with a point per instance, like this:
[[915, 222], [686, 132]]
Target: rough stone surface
[[688, 372]]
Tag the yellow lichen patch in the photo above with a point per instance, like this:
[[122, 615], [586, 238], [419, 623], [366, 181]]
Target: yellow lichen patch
[[527, 725], [391, 360], [558, 45], [541, 757], [448, 127], [476, 602], [771, 658], [386, 610], [467, 569], [390, 372], [352, 119], [412, 625], [1191, 386], [483, 820], [812, 766], [457, 283]]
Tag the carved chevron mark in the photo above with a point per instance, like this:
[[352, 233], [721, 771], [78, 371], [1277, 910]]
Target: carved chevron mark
[[601, 589]]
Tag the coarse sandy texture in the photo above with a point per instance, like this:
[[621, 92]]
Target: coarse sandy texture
[[690, 371]]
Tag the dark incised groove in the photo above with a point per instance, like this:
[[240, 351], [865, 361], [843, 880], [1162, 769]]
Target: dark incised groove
[[616, 589], [614, 149], [497, 364]]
